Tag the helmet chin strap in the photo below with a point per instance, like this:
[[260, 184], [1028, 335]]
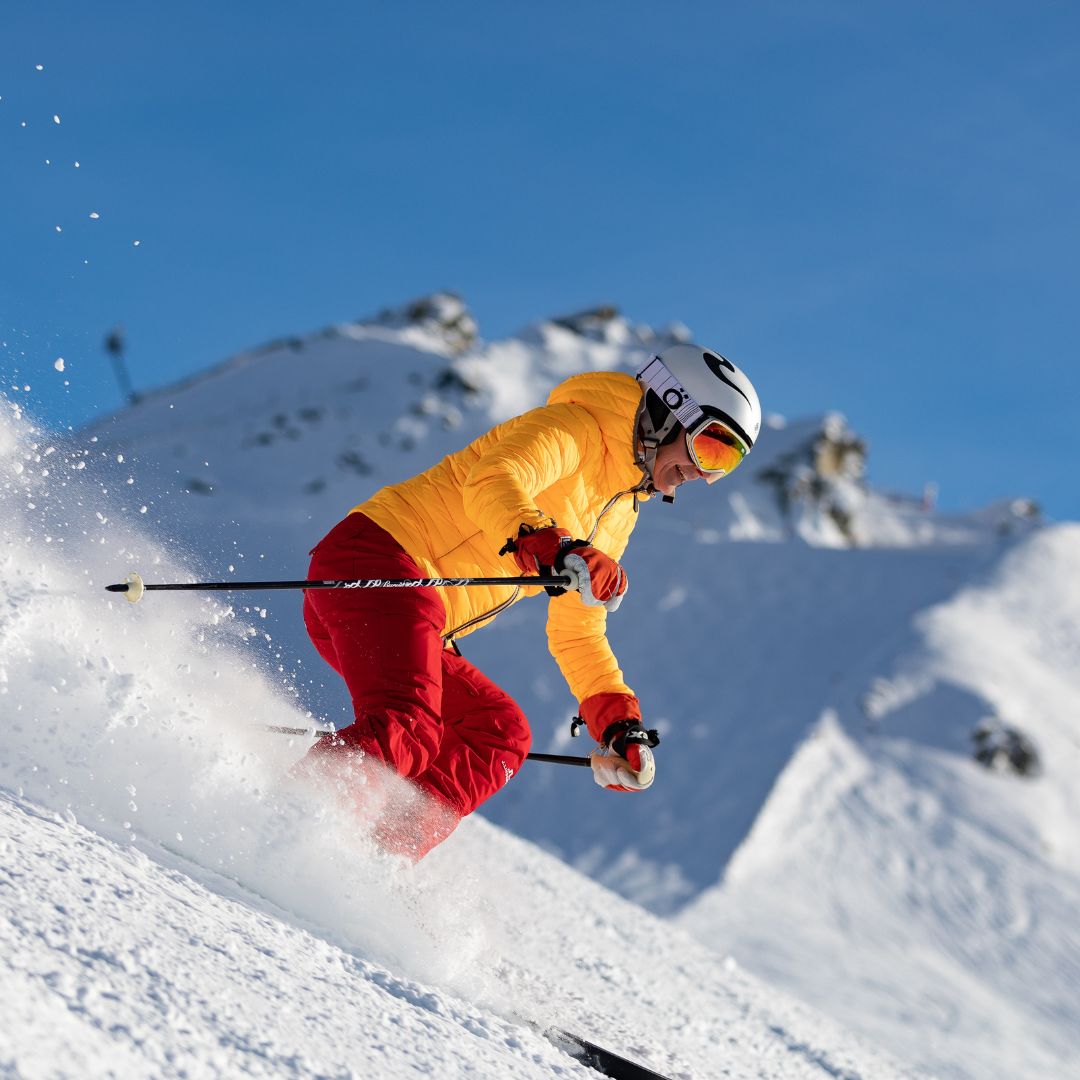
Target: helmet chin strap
[[645, 448]]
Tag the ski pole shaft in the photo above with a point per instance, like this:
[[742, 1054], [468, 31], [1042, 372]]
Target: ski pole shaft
[[561, 759], [554, 759], [134, 587]]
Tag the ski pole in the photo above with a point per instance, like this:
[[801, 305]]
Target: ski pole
[[555, 759], [134, 587], [561, 759]]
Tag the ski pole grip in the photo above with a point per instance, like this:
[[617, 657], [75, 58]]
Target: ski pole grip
[[575, 580]]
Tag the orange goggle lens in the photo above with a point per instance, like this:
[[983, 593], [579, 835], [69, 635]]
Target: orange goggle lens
[[715, 449]]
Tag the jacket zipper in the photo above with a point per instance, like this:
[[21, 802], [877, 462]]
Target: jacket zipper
[[449, 636]]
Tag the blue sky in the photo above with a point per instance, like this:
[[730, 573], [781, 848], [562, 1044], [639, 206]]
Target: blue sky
[[872, 207]]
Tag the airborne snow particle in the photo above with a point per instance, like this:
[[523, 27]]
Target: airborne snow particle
[[55, 119], [94, 215], [59, 365], [137, 243], [39, 67]]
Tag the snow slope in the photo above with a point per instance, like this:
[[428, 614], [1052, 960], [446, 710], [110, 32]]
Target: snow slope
[[170, 907], [909, 858], [119, 960], [833, 616]]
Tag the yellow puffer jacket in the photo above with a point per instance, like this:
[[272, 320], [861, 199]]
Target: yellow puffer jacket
[[570, 462]]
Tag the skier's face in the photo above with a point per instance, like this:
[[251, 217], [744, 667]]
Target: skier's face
[[674, 467]]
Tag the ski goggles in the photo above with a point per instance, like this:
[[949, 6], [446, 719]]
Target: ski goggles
[[714, 448]]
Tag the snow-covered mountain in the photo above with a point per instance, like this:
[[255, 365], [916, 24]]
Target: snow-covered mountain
[[824, 662]]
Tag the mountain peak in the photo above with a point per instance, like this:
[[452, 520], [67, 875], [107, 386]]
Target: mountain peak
[[443, 314]]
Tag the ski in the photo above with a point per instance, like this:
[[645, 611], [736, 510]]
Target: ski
[[604, 1061]]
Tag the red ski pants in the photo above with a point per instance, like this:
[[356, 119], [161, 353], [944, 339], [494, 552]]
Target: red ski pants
[[421, 708]]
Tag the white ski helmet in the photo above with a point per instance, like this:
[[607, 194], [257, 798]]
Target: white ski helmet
[[684, 387]]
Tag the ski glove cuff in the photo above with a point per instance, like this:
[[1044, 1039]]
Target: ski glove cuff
[[600, 711], [536, 550]]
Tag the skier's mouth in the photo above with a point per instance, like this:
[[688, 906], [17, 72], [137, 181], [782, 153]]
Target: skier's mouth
[[682, 475]]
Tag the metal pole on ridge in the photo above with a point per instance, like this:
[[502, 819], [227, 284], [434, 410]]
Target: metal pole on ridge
[[134, 587]]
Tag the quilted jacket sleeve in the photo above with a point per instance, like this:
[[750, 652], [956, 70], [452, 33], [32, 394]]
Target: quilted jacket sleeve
[[578, 641], [577, 638], [529, 455]]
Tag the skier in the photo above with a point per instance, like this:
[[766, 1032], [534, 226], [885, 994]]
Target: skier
[[555, 490]]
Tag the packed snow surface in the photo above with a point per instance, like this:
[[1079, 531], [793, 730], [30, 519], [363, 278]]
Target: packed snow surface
[[962, 883], [822, 660]]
